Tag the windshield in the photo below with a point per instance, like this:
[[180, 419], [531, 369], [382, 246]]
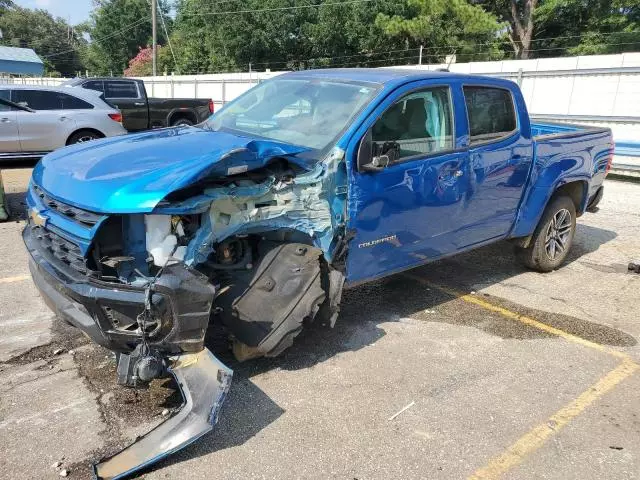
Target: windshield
[[306, 112]]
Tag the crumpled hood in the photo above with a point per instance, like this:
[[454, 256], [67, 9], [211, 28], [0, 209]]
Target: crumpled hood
[[132, 173]]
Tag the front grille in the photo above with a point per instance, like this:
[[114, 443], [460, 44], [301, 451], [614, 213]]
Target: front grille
[[83, 217], [65, 251]]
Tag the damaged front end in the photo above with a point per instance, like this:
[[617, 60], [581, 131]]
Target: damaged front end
[[257, 251], [204, 382]]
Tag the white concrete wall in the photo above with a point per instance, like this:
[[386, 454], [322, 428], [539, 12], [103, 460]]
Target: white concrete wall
[[550, 85], [565, 86], [596, 85], [220, 87]]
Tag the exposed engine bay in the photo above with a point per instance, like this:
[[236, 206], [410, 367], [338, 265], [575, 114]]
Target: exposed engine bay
[[258, 254]]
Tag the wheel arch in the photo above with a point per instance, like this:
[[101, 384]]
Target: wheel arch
[[531, 212], [576, 190], [84, 129], [177, 114]]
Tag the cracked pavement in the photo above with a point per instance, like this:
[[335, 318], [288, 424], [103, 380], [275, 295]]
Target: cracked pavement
[[478, 380]]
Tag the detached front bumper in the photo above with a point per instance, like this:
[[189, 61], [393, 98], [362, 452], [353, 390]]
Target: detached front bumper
[[181, 304], [107, 312]]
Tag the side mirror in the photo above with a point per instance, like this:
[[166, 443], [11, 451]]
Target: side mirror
[[372, 157]]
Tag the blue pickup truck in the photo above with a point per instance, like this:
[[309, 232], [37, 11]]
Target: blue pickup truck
[[256, 219]]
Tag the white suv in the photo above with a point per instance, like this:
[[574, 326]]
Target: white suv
[[36, 120]]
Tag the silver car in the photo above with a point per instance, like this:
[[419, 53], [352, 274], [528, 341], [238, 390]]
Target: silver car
[[36, 120]]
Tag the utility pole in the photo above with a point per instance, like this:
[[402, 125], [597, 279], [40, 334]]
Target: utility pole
[[154, 46]]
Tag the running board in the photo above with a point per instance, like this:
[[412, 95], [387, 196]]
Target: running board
[[204, 382], [22, 156]]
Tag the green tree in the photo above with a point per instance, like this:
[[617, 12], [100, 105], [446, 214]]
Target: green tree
[[519, 18], [213, 37], [53, 39], [544, 28], [4, 4], [348, 36], [118, 29], [587, 27], [446, 27]]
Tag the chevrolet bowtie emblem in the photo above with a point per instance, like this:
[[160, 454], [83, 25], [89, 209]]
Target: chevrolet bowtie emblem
[[37, 218]]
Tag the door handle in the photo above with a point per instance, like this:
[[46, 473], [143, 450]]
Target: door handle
[[62, 118], [5, 120], [139, 104]]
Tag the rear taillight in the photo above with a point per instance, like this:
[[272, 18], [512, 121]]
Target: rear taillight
[[610, 159], [116, 117], [211, 106]]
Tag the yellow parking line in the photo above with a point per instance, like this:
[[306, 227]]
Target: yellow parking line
[[474, 299], [18, 278], [537, 436]]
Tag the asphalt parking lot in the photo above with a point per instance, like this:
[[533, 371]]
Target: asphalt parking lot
[[507, 374]]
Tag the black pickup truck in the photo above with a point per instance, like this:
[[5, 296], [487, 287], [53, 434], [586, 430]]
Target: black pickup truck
[[141, 112]]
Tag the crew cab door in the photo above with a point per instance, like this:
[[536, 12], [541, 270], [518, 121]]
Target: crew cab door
[[411, 208], [500, 157], [126, 95]]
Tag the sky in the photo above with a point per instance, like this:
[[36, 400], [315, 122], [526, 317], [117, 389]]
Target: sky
[[74, 11]]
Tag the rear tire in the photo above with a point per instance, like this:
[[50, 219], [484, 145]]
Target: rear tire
[[82, 136], [182, 122], [552, 238]]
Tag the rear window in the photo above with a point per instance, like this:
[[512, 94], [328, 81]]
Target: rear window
[[47, 100], [491, 113], [94, 85], [120, 90], [73, 103]]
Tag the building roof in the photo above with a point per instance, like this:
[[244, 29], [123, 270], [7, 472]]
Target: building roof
[[20, 61]]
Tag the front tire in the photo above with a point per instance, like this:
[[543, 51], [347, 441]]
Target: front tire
[[552, 238]]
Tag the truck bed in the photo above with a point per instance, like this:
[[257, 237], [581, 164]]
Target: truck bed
[[578, 150], [544, 130]]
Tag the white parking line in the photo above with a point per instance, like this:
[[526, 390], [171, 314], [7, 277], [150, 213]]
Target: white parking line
[[18, 278]]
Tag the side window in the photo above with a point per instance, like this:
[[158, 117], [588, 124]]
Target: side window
[[94, 85], [119, 89], [73, 103], [491, 113], [420, 123], [38, 99], [5, 95]]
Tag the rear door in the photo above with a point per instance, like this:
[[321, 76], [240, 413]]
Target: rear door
[[500, 158], [126, 96], [49, 126]]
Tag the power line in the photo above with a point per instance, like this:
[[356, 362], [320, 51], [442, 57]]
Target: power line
[[381, 60], [342, 56], [164, 26], [117, 32], [277, 9]]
